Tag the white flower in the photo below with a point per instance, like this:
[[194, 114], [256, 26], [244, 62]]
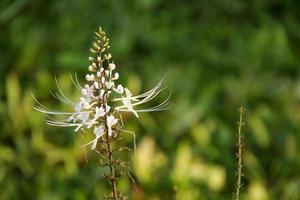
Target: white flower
[[87, 92], [107, 108], [119, 89], [128, 106], [127, 103], [100, 112], [85, 102], [111, 121], [83, 118], [109, 84], [98, 131]]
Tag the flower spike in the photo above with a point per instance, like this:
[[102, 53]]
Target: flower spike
[[102, 102]]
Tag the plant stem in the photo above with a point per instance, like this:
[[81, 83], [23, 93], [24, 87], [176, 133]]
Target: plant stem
[[239, 154], [112, 176], [112, 168]]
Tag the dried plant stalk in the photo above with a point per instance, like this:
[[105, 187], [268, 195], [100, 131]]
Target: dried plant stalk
[[240, 145]]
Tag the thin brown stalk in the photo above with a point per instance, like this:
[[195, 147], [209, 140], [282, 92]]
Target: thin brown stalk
[[112, 168], [111, 164], [239, 173]]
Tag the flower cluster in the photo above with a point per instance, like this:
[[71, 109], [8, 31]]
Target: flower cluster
[[102, 99]]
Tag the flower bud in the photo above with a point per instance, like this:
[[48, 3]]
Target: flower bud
[[98, 74], [93, 50], [112, 66], [102, 79], [91, 69], [96, 84], [116, 76], [109, 84], [102, 92], [90, 77]]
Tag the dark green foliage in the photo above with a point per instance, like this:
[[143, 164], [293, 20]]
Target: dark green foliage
[[215, 56]]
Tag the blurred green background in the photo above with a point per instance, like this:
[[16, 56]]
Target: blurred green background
[[215, 56]]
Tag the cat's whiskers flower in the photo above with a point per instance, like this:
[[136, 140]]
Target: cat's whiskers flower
[[101, 98], [100, 106]]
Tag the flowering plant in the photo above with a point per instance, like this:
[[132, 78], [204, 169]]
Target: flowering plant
[[100, 107]]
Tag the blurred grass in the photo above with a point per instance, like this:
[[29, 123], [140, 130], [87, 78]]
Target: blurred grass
[[215, 56]]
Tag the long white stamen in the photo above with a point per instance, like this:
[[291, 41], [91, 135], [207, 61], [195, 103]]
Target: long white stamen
[[158, 85], [56, 112], [59, 97], [74, 83], [67, 99], [135, 98], [76, 79]]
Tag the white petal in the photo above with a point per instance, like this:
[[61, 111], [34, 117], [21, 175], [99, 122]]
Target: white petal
[[111, 121], [107, 108], [100, 112], [99, 131], [119, 89]]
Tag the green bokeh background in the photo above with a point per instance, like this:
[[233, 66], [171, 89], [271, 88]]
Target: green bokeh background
[[214, 55]]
